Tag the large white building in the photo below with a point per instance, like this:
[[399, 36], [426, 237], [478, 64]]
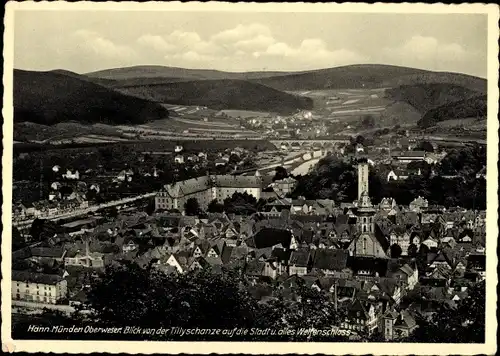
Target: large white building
[[205, 189], [38, 287]]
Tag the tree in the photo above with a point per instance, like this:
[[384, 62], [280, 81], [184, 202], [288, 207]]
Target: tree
[[215, 207], [360, 139], [41, 229], [280, 173], [396, 251], [463, 324], [240, 204], [192, 207], [425, 146], [18, 241], [412, 250], [368, 122], [155, 299]]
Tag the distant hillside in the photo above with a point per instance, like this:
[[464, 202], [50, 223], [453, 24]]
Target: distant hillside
[[174, 72], [220, 95], [352, 77], [457, 79], [100, 81], [424, 97], [475, 107], [51, 97], [345, 77]]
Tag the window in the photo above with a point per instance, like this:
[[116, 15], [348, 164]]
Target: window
[[44, 299]]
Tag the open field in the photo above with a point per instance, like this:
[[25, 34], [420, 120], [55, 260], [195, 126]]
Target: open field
[[347, 102], [67, 131], [197, 127], [244, 113], [472, 123]]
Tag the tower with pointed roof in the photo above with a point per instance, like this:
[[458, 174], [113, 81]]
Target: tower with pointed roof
[[365, 215], [369, 241]]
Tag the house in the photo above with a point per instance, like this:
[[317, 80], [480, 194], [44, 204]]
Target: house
[[56, 169], [179, 159], [299, 262], [124, 176], [87, 259], [283, 186], [55, 186], [362, 317], [481, 173], [477, 263], [407, 274], [178, 261], [45, 254], [178, 148], [71, 175], [419, 204], [409, 156], [220, 162], [396, 325], [401, 174], [202, 155], [130, 246], [387, 204], [329, 261], [38, 287]]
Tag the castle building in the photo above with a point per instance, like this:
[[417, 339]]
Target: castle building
[[205, 189]]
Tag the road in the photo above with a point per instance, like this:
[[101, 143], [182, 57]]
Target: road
[[85, 211]]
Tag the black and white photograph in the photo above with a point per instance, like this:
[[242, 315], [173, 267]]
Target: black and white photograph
[[250, 174]]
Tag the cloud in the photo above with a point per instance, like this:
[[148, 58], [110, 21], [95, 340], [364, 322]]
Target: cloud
[[241, 33], [179, 41], [315, 51], [258, 43], [421, 48], [97, 44], [252, 43], [156, 42]]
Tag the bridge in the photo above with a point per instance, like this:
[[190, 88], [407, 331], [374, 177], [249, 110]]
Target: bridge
[[333, 142]]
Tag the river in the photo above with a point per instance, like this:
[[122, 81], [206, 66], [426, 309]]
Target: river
[[303, 169]]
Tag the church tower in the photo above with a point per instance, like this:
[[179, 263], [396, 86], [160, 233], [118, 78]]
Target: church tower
[[362, 179], [365, 215]]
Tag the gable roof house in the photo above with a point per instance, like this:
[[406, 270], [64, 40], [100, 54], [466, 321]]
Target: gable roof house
[[329, 261], [299, 262]]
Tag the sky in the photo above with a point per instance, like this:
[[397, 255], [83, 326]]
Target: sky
[[86, 41]]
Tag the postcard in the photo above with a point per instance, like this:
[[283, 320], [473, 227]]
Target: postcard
[[250, 178]]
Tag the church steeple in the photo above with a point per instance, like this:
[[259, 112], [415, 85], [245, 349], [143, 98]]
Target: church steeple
[[365, 215]]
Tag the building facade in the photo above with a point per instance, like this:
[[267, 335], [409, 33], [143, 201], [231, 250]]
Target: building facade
[[38, 287], [205, 189]]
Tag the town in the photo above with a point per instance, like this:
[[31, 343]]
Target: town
[[383, 266]]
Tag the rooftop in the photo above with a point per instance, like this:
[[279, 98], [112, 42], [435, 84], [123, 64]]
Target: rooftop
[[39, 278]]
